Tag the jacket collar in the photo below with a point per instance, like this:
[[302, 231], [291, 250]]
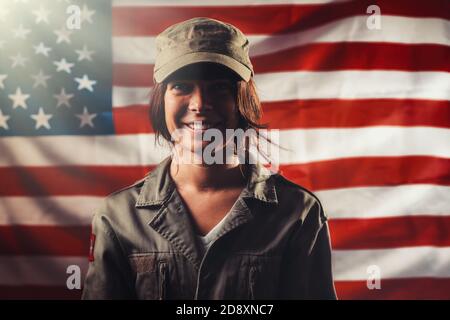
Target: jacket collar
[[158, 186]]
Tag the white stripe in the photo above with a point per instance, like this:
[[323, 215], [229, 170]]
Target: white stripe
[[213, 3], [328, 85], [39, 271], [128, 96], [325, 144], [411, 262], [54, 210], [368, 202], [354, 85], [395, 263], [302, 146], [82, 150], [354, 29], [379, 202], [140, 50]]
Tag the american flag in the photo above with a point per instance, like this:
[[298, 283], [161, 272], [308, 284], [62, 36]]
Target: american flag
[[362, 101]]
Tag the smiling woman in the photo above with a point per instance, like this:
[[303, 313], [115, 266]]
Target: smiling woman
[[200, 229]]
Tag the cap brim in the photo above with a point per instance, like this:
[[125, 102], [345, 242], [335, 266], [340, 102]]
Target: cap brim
[[166, 70]]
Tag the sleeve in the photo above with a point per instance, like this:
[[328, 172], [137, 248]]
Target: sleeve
[[109, 275], [307, 267]]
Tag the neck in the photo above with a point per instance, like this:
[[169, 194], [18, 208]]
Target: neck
[[203, 177]]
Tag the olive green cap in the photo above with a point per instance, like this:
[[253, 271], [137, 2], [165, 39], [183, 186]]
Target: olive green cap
[[201, 40]]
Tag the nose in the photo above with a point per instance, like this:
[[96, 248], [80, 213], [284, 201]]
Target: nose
[[198, 102]]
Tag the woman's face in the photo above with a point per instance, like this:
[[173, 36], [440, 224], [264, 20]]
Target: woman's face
[[193, 106]]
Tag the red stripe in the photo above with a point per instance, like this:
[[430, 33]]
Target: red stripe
[[395, 289], [149, 21], [133, 75], [38, 293], [321, 57], [132, 120], [392, 232], [320, 113], [67, 180], [330, 174], [355, 56], [45, 240], [411, 288], [346, 234], [340, 113], [369, 171]]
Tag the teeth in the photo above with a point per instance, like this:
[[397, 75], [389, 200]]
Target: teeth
[[198, 125]]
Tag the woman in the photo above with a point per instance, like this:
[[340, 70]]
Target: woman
[[201, 229]]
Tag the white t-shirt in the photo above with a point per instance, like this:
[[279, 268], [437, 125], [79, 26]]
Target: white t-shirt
[[206, 240]]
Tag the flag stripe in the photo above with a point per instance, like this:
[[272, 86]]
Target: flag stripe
[[214, 3], [341, 113], [414, 288], [396, 289], [39, 293], [78, 180], [347, 265], [383, 201], [390, 232], [328, 144], [327, 85], [102, 180], [45, 240], [371, 234], [346, 203], [320, 57], [393, 263], [51, 211], [280, 18], [353, 85], [319, 113], [141, 50]]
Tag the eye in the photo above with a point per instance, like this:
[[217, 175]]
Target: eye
[[221, 87], [181, 87]]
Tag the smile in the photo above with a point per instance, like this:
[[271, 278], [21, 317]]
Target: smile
[[201, 126]]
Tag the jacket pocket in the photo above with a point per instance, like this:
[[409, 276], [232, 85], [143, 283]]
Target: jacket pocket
[[251, 282], [162, 280]]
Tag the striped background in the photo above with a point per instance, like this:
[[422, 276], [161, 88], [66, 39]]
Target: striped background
[[365, 112]]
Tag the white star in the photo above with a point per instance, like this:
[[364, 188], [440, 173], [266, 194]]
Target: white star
[[42, 49], [63, 98], [63, 65], [63, 35], [86, 14], [40, 79], [85, 83], [86, 118], [84, 54], [19, 99], [3, 119], [41, 15], [18, 60], [21, 32], [2, 78], [42, 119]]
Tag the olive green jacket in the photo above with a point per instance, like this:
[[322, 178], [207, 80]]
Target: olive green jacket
[[274, 244]]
